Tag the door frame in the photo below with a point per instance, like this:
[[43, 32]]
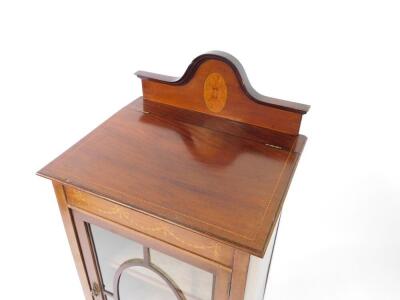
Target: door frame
[[222, 275]]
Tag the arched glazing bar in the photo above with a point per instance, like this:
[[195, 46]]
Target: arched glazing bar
[[145, 263]]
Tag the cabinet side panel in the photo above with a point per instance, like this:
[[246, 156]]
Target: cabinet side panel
[[72, 238], [257, 275]]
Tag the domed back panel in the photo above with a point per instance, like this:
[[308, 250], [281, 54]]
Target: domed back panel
[[215, 84]]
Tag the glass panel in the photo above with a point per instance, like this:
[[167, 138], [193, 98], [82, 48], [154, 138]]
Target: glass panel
[[113, 250], [140, 278], [140, 283], [195, 283]]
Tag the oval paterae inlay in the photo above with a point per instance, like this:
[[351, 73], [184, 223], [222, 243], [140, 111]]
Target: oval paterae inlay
[[215, 92]]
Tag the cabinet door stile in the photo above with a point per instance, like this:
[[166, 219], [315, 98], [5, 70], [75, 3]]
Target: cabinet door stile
[[90, 257]]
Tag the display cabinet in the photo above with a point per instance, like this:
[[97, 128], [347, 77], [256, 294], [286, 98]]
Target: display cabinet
[[178, 195]]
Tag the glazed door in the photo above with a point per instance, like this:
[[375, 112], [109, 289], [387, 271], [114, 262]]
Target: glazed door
[[125, 265]]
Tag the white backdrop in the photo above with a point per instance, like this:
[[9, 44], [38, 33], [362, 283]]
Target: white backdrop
[[65, 66]]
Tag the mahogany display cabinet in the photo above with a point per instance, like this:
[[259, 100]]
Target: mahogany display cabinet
[[178, 195]]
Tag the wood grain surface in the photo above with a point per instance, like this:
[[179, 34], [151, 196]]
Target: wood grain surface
[[214, 183]]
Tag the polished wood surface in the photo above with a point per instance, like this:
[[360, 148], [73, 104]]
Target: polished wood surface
[[230, 97], [214, 183], [217, 123]]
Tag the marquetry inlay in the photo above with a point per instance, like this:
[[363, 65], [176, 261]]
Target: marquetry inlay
[[215, 92]]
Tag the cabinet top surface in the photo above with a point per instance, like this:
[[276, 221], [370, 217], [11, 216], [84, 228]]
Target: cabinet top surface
[[218, 184], [205, 152]]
